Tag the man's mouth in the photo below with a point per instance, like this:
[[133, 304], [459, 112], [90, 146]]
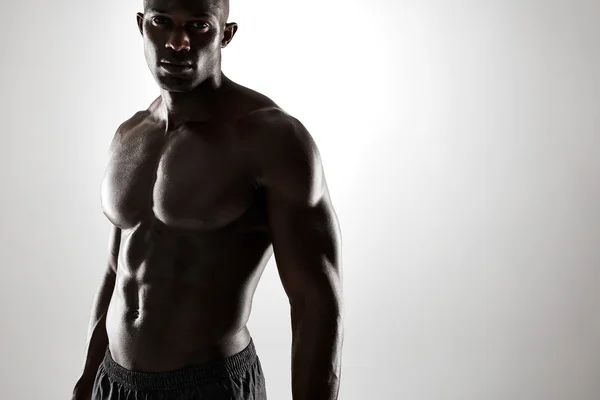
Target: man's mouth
[[175, 67], [177, 63]]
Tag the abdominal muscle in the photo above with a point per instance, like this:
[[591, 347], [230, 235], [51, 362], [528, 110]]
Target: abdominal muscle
[[168, 312]]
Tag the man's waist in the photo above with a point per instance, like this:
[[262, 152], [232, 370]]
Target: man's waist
[[194, 373], [150, 348]]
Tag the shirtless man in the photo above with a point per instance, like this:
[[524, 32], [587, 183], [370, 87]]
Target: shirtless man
[[201, 189]]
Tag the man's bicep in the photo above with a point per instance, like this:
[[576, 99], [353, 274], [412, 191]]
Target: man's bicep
[[306, 243]]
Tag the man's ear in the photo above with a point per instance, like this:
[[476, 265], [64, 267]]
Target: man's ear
[[230, 30], [140, 22]]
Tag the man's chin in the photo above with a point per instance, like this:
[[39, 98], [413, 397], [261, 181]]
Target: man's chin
[[177, 89], [175, 85]]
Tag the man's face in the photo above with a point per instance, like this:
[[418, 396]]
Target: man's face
[[183, 40]]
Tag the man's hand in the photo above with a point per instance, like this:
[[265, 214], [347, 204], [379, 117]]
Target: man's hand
[[82, 391]]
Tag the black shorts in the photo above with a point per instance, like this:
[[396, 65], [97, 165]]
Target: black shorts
[[239, 377]]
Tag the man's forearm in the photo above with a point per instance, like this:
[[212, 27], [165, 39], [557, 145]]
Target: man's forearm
[[97, 340], [317, 336]]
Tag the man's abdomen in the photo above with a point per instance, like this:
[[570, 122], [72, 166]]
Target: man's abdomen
[[157, 324], [184, 297]]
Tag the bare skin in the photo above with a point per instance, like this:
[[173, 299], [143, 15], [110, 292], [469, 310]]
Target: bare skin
[[200, 190]]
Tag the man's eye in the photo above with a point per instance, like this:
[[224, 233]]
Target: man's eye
[[160, 20], [200, 25]]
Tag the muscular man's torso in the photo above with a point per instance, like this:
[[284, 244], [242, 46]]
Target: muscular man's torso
[[193, 244]]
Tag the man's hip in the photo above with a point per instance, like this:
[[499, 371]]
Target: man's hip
[[239, 377]]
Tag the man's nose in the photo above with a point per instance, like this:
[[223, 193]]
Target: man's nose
[[179, 40]]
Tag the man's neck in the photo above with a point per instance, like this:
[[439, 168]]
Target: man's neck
[[199, 104]]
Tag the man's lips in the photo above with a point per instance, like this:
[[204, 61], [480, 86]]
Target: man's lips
[[177, 63], [176, 67]]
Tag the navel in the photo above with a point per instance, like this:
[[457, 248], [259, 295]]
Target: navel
[[133, 314]]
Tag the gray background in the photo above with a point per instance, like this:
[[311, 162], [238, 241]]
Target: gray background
[[460, 141]]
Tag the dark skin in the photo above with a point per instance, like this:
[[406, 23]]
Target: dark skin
[[201, 189]]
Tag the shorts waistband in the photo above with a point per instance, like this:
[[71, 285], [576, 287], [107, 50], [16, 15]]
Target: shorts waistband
[[194, 375]]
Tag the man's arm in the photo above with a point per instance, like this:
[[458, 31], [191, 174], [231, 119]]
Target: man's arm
[[306, 243], [97, 340]]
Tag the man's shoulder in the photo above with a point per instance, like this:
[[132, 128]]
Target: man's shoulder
[[271, 122], [141, 116], [132, 122], [245, 99], [260, 111], [275, 131], [284, 152]]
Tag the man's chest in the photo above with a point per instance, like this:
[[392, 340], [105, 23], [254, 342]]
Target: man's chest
[[191, 178]]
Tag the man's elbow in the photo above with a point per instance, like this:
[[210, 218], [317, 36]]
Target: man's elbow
[[326, 302]]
